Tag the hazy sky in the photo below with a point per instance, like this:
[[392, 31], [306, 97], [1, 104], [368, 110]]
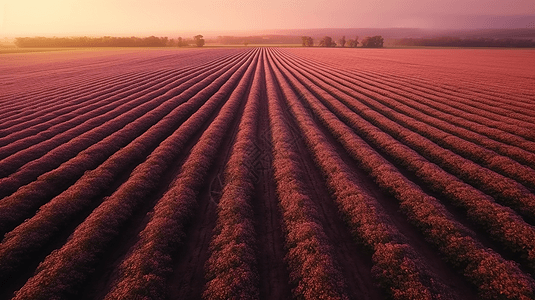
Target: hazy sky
[[138, 17]]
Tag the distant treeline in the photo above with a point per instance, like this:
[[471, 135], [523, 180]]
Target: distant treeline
[[368, 42], [107, 41], [259, 39], [467, 42]]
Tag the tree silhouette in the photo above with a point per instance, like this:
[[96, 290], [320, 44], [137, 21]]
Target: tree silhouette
[[327, 41], [307, 41], [353, 43], [342, 41], [373, 42], [199, 41]]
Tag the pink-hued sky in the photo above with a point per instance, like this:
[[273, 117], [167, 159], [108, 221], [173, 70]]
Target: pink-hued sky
[[138, 17]]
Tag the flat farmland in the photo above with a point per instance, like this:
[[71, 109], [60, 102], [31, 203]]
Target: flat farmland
[[267, 173]]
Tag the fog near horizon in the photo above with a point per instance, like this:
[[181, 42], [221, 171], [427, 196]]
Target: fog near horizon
[[137, 17]]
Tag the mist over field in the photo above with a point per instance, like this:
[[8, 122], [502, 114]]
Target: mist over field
[[240, 17]]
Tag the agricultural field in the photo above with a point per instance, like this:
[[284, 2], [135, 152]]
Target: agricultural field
[[267, 173]]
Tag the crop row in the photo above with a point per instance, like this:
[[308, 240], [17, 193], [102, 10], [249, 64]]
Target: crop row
[[465, 117], [37, 231], [143, 273], [497, 109], [430, 216], [52, 107], [313, 270], [49, 93], [383, 71], [22, 136], [513, 113], [31, 104], [498, 164], [403, 113], [83, 95], [500, 222], [231, 270], [66, 268], [62, 111], [453, 71], [111, 132], [108, 102], [31, 196], [396, 271], [503, 189], [56, 78], [371, 180], [415, 105]]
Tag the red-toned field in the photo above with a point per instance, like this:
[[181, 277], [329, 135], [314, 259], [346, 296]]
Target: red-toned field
[[268, 174]]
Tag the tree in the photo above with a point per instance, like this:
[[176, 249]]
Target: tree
[[307, 41], [199, 41], [327, 41], [181, 42], [353, 43], [310, 42], [342, 41], [373, 42]]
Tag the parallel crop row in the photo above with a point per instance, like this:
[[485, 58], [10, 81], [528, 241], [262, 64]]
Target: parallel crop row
[[65, 269], [392, 263], [501, 223], [66, 115], [436, 73], [143, 273], [85, 98], [513, 113], [37, 231], [134, 103], [15, 208], [231, 269], [312, 268], [498, 278], [501, 188], [514, 105], [514, 135], [86, 134], [59, 107], [31, 106], [497, 109], [507, 133], [22, 137], [381, 98], [49, 88], [459, 140]]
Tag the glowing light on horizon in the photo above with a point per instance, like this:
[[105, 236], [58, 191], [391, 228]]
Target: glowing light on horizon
[[131, 17]]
